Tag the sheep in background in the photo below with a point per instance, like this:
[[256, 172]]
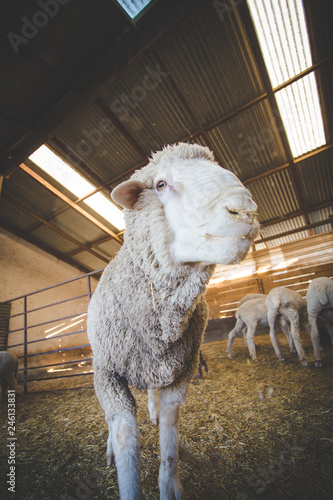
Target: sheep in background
[[319, 297], [183, 214], [251, 296], [250, 315], [8, 372], [288, 304]]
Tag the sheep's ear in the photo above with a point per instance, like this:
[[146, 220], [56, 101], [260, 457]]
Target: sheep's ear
[[127, 193]]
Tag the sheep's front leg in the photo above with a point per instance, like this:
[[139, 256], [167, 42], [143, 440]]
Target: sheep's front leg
[[153, 405], [168, 479], [233, 334], [120, 413]]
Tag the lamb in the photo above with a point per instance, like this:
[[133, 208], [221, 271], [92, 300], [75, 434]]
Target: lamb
[[250, 314], [288, 304], [183, 214], [319, 299], [8, 372]]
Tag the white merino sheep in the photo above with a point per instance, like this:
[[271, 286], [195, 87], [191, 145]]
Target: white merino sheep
[[290, 305], [8, 372], [183, 214], [250, 315], [319, 297]]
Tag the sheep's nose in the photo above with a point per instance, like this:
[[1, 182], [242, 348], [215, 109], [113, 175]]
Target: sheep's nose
[[241, 204]]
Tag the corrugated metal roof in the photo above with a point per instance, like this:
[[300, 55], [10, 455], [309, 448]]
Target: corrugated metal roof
[[89, 261], [285, 226], [203, 55], [316, 175], [78, 226], [95, 142], [53, 240], [199, 81], [31, 194], [321, 215], [249, 142], [109, 248], [147, 104], [274, 195]]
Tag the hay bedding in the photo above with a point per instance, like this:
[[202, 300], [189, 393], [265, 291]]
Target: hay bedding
[[249, 430]]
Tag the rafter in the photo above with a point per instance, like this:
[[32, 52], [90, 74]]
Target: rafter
[[69, 202]]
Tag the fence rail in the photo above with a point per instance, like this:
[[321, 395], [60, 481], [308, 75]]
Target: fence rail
[[22, 338]]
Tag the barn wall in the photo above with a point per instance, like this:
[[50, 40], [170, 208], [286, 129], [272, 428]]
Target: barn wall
[[25, 269], [294, 265]]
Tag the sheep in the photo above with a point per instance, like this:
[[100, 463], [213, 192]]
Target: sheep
[[146, 318], [288, 304], [8, 372], [319, 298], [250, 314]]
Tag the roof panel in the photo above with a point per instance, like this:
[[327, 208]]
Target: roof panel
[[316, 175], [211, 63], [92, 138], [274, 195], [89, 260], [321, 215], [249, 143], [148, 105], [53, 240], [109, 248], [77, 226], [15, 217], [31, 194]]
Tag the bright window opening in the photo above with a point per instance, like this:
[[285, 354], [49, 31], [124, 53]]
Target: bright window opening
[[133, 7], [283, 37], [53, 165]]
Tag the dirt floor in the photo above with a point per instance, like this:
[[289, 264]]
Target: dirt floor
[[248, 430]]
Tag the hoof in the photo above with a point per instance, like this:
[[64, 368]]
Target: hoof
[[281, 359], [304, 362], [109, 460], [318, 364], [154, 419]]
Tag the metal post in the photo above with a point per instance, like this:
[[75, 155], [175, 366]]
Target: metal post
[[25, 371], [89, 286]]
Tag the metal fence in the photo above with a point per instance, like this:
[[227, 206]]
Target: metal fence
[[29, 349]]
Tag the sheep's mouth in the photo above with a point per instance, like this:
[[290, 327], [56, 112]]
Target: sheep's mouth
[[242, 213]]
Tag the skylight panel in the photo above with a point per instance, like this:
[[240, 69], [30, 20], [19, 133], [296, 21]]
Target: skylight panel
[[53, 165], [301, 115], [283, 37], [133, 7]]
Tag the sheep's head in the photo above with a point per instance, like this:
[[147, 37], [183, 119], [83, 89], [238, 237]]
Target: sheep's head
[[210, 215]]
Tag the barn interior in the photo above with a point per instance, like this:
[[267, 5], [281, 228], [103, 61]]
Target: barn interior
[[89, 91]]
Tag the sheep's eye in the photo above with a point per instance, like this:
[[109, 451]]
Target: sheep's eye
[[161, 185]]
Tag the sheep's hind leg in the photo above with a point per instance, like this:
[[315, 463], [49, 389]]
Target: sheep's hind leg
[[315, 340], [293, 317], [168, 479], [233, 334], [271, 317], [153, 405], [120, 413], [251, 329]]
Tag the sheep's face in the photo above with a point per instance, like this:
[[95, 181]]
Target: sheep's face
[[209, 213]]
